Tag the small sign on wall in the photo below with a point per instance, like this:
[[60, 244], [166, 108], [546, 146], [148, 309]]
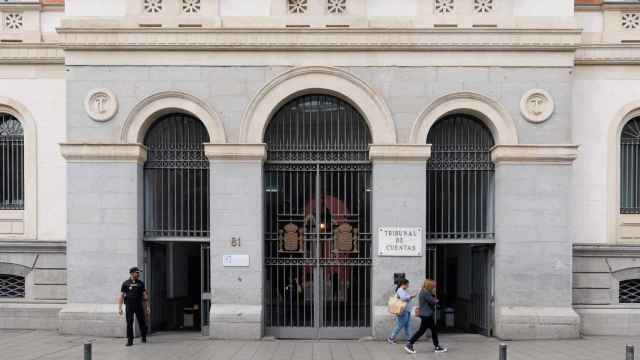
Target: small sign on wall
[[400, 241], [235, 260]]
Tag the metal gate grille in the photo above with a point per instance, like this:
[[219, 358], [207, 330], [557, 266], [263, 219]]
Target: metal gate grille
[[460, 180], [11, 286], [176, 179], [11, 163], [629, 172], [317, 221]]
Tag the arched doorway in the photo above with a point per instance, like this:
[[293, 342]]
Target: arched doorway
[[317, 181], [460, 220], [176, 223]]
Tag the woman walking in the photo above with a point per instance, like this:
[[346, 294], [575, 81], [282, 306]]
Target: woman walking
[[427, 301], [403, 320]]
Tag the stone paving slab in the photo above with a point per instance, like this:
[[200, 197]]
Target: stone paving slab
[[36, 345]]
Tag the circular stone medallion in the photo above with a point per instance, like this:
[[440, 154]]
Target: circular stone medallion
[[101, 104], [536, 105]]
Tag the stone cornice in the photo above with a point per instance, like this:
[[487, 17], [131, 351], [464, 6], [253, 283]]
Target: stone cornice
[[32, 246], [408, 152], [606, 250], [236, 151], [608, 54], [534, 154], [31, 53], [78, 152], [349, 39]]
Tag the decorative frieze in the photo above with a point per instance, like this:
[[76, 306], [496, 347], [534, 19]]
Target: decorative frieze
[[630, 21], [336, 7], [153, 7], [191, 7], [13, 21], [483, 6], [443, 7], [298, 6]]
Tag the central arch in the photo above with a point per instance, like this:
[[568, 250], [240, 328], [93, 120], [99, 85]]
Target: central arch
[[318, 80], [317, 222]]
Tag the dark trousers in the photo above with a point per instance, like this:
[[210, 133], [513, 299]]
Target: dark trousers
[[426, 322], [138, 310]]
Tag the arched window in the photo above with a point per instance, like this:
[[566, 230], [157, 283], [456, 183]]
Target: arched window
[[176, 179], [629, 291], [11, 163], [630, 167], [11, 286], [460, 180], [317, 180]]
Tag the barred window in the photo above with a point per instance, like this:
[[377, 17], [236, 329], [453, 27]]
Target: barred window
[[629, 168], [11, 286], [460, 180], [630, 291], [11, 163]]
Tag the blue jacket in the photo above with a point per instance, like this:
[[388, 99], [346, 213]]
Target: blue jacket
[[426, 300]]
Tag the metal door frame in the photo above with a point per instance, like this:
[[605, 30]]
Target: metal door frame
[[297, 148]]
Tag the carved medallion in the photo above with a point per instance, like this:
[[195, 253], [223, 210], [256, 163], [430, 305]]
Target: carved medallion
[[536, 105], [101, 105]]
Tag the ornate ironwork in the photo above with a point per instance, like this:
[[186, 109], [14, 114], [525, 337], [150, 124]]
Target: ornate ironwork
[[629, 291], [460, 180], [11, 286], [317, 190], [629, 168], [11, 163], [176, 178]]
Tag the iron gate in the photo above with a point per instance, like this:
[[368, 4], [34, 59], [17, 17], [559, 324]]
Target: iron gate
[[482, 290], [317, 221], [176, 179], [460, 181]]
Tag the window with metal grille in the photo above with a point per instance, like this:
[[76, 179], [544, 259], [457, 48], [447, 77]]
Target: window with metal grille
[[629, 172], [11, 286], [460, 180], [11, 163], [176, 179], [630, 291]]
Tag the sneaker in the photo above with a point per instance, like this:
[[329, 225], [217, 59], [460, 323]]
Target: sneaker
[[440, 349], [391, 341], [129, 343], [144, 339], [409, 348]]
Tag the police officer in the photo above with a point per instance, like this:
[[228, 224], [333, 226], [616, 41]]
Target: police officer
[[134, 295]]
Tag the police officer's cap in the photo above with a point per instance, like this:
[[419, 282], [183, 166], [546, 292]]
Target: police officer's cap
[[134, 270]]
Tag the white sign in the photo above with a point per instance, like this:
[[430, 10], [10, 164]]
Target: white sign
[[399, 241], [235, 260]]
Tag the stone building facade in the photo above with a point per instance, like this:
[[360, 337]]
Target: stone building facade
[[501, 130]]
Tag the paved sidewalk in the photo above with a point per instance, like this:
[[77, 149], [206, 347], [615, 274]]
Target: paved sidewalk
[[31, 345]]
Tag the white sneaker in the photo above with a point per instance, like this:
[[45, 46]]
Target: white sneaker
[[409, 348], [440, 349]]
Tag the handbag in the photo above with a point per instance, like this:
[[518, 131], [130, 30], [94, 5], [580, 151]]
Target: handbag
[[396, 306]]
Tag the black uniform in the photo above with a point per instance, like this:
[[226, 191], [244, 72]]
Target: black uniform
[[134, 301]]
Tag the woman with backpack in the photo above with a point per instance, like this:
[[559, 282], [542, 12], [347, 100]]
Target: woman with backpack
[[425, 312], [403, 319]]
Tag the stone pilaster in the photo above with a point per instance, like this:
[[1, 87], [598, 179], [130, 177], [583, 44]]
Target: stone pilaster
[[236, 212], [104, 233], [399, 190], [533, 255]]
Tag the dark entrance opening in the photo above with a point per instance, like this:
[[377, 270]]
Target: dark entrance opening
[[175, 274], [464, 274]]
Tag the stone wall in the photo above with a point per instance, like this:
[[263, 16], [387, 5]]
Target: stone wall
[[597, 272]]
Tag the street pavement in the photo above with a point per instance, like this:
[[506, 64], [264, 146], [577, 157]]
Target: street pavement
[[32, 345]]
